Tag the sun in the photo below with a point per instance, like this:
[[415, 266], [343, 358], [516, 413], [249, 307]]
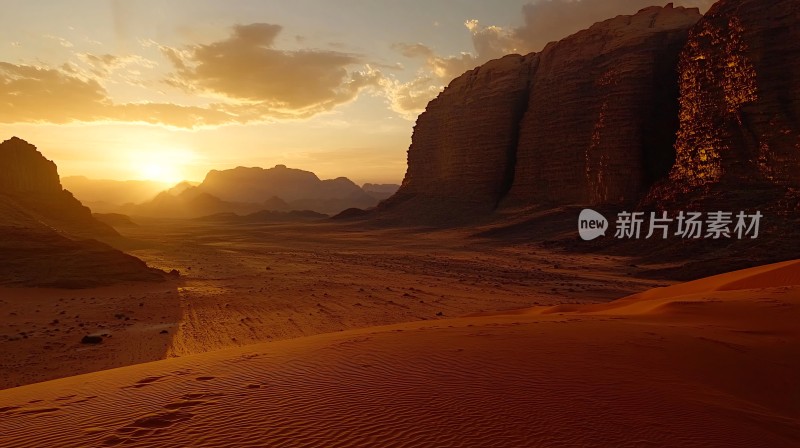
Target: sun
[[160, 172], [167, 165]]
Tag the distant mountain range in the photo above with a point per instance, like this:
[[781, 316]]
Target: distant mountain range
[[50, 239], [240, 190], [103, 195]]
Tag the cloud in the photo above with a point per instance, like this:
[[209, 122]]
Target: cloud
[[248, 69], [547, 21], [243, 79], [34, 94], [444, 67], [61, 41], [544, 21], [38, 94], [409, 98], [106, 64], [550, 20]]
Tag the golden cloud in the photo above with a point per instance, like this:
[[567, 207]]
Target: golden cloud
[[42, 95], [248, 69], [245, 78]]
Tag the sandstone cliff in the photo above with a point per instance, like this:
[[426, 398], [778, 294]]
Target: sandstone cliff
[[601, 111], [590, 119], [464, 144]]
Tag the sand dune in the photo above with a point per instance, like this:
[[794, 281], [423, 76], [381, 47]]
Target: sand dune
[[785, 274], [714, 364], [251, 283]]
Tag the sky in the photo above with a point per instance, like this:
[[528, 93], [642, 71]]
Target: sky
[[167, 90]]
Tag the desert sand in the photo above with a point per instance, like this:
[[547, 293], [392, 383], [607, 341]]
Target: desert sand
[[243, 284], [711, 363]]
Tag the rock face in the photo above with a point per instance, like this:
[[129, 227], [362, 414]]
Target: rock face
[[25, 171], [32, 181], [464, 144], [590, 119], [601, 117], [43, 229], [740, 98]]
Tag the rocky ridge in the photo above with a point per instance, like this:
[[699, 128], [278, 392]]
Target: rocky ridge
[[49, 237]]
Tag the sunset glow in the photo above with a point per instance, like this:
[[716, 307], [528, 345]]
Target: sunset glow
[[165, 165], [447, 223], [330, 87], [159, 172]]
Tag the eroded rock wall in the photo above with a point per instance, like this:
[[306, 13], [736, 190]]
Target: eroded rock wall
[[740, 97], [600, 122], [590, 119]]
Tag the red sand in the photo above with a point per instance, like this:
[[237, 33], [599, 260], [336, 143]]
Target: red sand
[[242, 285], [712, 363]]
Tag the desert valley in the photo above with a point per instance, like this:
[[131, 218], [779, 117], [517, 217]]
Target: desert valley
[[465, 306]]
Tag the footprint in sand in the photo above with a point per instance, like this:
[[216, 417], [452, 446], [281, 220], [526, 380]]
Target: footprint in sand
[[38, 411], [158, 420], [144, 382], [200, 395], [186, 404]]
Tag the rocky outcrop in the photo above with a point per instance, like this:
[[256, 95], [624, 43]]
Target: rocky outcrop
[[36, 256], [740, 98], [32, 181], [44, 230], [23, 170], [590, 119]]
